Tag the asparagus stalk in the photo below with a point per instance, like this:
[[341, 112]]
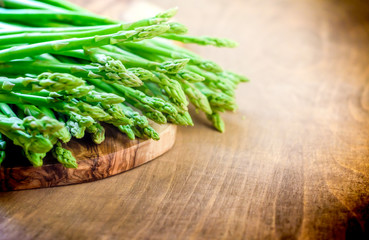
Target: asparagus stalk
[[77, 124], [117, 115], [133, 131], [218, 100], [137, 119], [76, 106], [64, 156], [28, 4], [217, 121], [12, 28], [127, 129], [181, 119], [150, 132], [225, 81], [233, 77], [102, 97], [17, 134], [69, 44], [96, 20], [53, 82], [63, 134], [65, 5], [171, 87], [190, 76], [36, 159], [171, 51], [196, 97], [28, 36], [39, 16], [32, 125], [109, 102], [127, 58], [37, 37], [6, 110], [159, 18], [112, 72], [204, 40], [153, 89], [97, 132], [148, 111], [140, 102], [45, 126], [213, 81], [49, 126], [78, 92], [153, 102], [137, 124]]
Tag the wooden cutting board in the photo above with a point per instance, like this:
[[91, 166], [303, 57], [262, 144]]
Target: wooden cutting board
[[115, 155]]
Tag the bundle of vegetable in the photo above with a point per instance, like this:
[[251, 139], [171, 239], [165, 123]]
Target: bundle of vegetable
[[65, 71]]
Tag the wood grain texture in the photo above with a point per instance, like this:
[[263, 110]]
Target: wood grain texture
[[296, 166], [115, 155]]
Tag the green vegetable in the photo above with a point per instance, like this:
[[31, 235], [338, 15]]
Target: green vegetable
[[112, 72], [97, 131], [64, 156], [66, 72], [137, 34], [33, 15], [52, 82]]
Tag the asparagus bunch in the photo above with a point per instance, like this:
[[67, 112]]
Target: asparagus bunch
[[65, 72]]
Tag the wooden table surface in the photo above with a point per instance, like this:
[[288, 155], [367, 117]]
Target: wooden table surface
[[293, 162]]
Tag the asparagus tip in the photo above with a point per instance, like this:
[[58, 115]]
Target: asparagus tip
[[168, 13], [64, 156]]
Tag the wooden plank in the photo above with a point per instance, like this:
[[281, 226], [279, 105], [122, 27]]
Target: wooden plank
[[295, 167], [115, 155]]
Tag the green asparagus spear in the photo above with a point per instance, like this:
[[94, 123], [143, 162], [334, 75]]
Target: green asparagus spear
[[49, 81], [112, 72], [171, 51], [21, 4], [17, 134], [217, 121], [64, 156], [196, 97], [39, 16], [97, 132], [76, 43], [204, 40], [77, 124]]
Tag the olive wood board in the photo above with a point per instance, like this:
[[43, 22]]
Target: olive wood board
[[115, 155]]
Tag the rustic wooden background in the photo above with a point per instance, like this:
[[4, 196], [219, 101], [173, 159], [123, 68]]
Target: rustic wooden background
[[293, 163]]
